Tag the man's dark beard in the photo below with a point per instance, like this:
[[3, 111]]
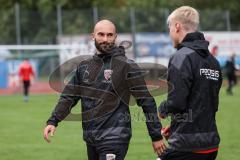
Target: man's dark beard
[[104, 47]]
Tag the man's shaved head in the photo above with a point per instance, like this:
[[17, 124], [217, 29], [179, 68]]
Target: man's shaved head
[[105, 24]]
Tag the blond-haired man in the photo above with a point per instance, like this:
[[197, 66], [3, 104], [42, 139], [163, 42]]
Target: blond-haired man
[[193, 102]]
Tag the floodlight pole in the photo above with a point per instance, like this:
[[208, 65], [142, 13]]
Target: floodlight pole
[[17, 23], [95, 15], [133, 29], [59, 19], [228, 20]]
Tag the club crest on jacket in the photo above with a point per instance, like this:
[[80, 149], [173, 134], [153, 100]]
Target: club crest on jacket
[[108, 74]]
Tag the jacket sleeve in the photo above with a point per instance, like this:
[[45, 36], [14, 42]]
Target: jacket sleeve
[[139, 90], [20, 71], [180, 78], [68, 99], [32, 71]]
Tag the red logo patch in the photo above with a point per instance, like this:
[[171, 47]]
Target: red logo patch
[[108, 73]]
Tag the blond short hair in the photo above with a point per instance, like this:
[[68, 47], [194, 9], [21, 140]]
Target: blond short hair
[[187, 16]]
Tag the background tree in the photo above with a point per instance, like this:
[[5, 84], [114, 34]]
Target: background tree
[[39, 17]]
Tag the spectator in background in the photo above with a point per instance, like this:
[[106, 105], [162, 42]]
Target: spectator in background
[[214, 51], [230, 73], [26, 73]]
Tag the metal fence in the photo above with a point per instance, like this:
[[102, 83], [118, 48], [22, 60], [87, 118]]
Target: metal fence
[[21, 26]]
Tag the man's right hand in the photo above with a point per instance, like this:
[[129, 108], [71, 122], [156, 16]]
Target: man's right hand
[[48, 129]]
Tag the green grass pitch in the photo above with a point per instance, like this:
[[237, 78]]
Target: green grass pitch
[[21, 127]]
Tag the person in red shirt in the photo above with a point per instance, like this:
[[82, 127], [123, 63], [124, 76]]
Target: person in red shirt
[[26, 73]]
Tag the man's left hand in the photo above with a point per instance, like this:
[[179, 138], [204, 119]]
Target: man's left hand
[[159, 147]]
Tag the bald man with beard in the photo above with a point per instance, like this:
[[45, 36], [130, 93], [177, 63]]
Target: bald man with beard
[[104, 84]]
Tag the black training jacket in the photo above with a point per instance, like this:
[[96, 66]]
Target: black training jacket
[[195, 79], [104, 84]]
